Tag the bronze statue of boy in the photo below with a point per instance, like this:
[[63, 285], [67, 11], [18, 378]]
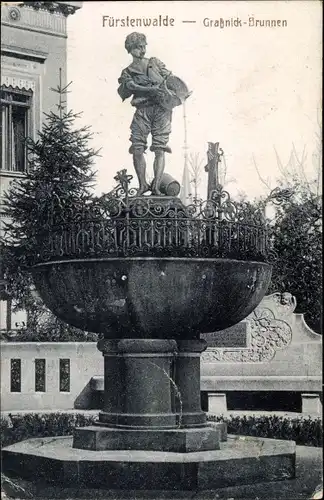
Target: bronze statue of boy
[[155, 92]]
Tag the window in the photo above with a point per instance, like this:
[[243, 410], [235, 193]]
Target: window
[[15, 375], [15, 127], [40, 375], [64, 375]]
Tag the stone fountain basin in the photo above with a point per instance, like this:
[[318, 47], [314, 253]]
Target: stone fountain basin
[[147, 297]]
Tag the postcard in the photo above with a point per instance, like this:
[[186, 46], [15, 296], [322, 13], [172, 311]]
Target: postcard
[[161, 237]]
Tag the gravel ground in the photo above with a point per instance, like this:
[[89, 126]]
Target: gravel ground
[[308, 478]]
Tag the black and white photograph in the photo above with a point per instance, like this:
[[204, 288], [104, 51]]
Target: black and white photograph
[[161, 250]]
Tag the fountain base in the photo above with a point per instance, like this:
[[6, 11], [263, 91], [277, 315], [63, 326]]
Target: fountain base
[[239, 461], [172, 440]]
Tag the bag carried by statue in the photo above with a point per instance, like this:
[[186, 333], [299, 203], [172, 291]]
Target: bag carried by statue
[[175, 93]]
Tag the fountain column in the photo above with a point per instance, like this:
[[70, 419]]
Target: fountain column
[[145, 381], [187, 379], [137, 391], [112, 379]]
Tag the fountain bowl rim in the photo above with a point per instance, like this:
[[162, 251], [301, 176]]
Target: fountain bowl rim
[[143, 258]]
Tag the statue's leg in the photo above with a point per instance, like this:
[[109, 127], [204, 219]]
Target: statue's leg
[[140, 129], [140, 169], [161, 129], [158, 168]]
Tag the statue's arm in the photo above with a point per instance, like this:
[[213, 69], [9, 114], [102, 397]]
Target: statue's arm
[[123, 89], [131, 85], [164, 72], [127, 86]]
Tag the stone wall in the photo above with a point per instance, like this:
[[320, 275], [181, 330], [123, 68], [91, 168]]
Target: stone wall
[[85, 362], [277, 351]]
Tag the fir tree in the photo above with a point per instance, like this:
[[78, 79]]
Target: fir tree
[[59, 177]]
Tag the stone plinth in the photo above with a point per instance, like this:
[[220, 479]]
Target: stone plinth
[[311, 404], [217, 403], [173, 440], [241, 460], [151, 399]]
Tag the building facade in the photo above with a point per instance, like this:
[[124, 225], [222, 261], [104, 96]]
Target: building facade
[[33, 51]]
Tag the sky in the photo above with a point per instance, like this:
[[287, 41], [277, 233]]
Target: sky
[[253, 88]]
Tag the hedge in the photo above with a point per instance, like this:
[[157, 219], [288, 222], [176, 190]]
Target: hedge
[[304, 430], [17, 427]]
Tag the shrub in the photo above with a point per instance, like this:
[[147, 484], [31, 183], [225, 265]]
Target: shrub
[[18, 427], [304, 430]]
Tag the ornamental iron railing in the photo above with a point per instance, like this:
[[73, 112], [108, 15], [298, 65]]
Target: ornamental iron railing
[[122, 224]]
